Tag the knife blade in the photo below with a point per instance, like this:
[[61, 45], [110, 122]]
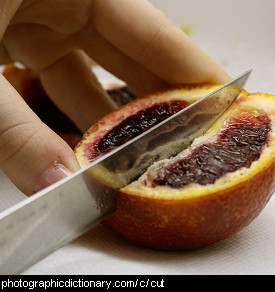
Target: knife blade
[[39, 225]]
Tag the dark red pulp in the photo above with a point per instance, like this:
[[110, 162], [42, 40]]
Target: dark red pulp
[[237, 145], [135, 125]]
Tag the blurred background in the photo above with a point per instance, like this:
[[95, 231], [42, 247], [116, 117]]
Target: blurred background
[[238, 34]]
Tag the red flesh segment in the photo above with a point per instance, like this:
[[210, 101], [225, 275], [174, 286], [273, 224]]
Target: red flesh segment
[[236, 145], [133, 126]]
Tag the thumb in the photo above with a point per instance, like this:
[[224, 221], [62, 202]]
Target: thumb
[[31, 154]]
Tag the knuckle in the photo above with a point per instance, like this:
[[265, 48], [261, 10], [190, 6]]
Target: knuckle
[[17, 142]]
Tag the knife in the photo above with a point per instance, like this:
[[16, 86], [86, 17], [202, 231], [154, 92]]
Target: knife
[[53, 217]]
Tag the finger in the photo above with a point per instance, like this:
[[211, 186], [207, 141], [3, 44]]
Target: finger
[[36, 46], [144, 34], [7, 10], [138, 77], [73, 87], [31, 155]]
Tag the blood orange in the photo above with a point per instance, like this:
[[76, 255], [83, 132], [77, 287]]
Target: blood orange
[[206, 193]]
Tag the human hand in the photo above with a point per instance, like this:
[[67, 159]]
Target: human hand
[[57, 39]]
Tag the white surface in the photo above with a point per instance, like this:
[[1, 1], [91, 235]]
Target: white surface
[[239, 35]]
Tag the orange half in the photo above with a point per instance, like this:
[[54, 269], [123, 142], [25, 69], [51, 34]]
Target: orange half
[[193, 215]]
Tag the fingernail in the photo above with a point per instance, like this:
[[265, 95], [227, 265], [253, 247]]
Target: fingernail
[[51, 175]]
